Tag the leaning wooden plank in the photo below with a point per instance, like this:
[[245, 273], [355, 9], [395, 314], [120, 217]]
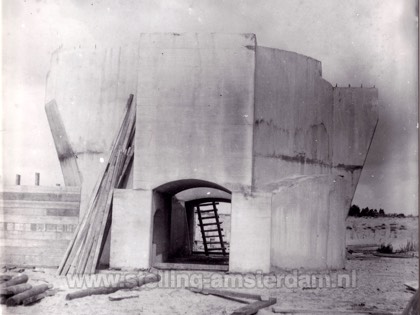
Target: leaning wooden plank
[[104, 215], [66, 156], [106, 233], [76, 255], [74, 246], [127, 164], [76, 240], [97, 219], [123, 123], [94, 257], [19, 298], [82, 255], [120, 285], [16, 280], [252, 308], [15, 289]]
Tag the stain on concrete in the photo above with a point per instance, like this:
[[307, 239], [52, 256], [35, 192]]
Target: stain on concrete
[[349, 168]]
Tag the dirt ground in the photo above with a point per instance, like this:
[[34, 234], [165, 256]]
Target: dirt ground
[[373, 284]]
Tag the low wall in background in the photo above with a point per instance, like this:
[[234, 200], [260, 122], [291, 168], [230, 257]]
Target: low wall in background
[[36, 224]]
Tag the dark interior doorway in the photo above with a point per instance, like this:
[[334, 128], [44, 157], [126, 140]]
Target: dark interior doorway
[[191, 225]]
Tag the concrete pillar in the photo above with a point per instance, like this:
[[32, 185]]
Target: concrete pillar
[[250, 238], [308, 222], [131, 229]]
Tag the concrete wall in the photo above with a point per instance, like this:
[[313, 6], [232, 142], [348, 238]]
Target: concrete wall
[[250, 240], [161, 228], [308, 223], [354, 122], [293, 117], [195, 105], [36, 224], [131, 229], [303, 125], [217, 108], [179, 229], [91, 87]]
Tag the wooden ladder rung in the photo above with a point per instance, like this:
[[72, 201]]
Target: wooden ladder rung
[[213, 217], [213, 242], [214, 230], [204, 211], [213, 223], [208, 204], [213, 249], [213, 236], [202, 252]]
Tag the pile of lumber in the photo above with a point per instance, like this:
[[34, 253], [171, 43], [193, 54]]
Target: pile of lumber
[[16, 291], [83, 253]]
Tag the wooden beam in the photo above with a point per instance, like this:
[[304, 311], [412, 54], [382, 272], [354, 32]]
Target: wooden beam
[[186, 266], [129, 284], [280, 310], [66, 156], [252, 308], [19, 298], [15, 289], [16, 280], [218, 292]]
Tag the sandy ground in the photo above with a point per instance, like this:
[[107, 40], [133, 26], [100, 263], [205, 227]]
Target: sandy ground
[[375, 284]]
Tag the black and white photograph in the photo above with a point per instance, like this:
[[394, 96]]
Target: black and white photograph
[[209, 157]]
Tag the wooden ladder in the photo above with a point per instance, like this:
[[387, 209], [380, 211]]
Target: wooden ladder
[[208, 221]]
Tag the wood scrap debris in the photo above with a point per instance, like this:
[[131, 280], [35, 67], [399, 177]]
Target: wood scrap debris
[[412, 285], [279, 310], [83, 253], [126, 284], [251, 308], [16, 291], [124, 297]]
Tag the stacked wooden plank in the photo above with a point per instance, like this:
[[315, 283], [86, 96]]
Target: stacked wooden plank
[[84, 251]]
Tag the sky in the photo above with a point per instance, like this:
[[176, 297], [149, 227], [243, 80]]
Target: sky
[[358, 42]]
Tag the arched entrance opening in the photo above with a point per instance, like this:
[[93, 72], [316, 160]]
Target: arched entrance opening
[[191, 225]]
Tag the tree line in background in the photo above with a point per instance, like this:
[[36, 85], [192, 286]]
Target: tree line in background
[[355, 211]]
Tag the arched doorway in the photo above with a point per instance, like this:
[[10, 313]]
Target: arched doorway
[[191, 225]]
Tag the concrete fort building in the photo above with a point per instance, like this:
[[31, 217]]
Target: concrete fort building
[[218, 119]]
